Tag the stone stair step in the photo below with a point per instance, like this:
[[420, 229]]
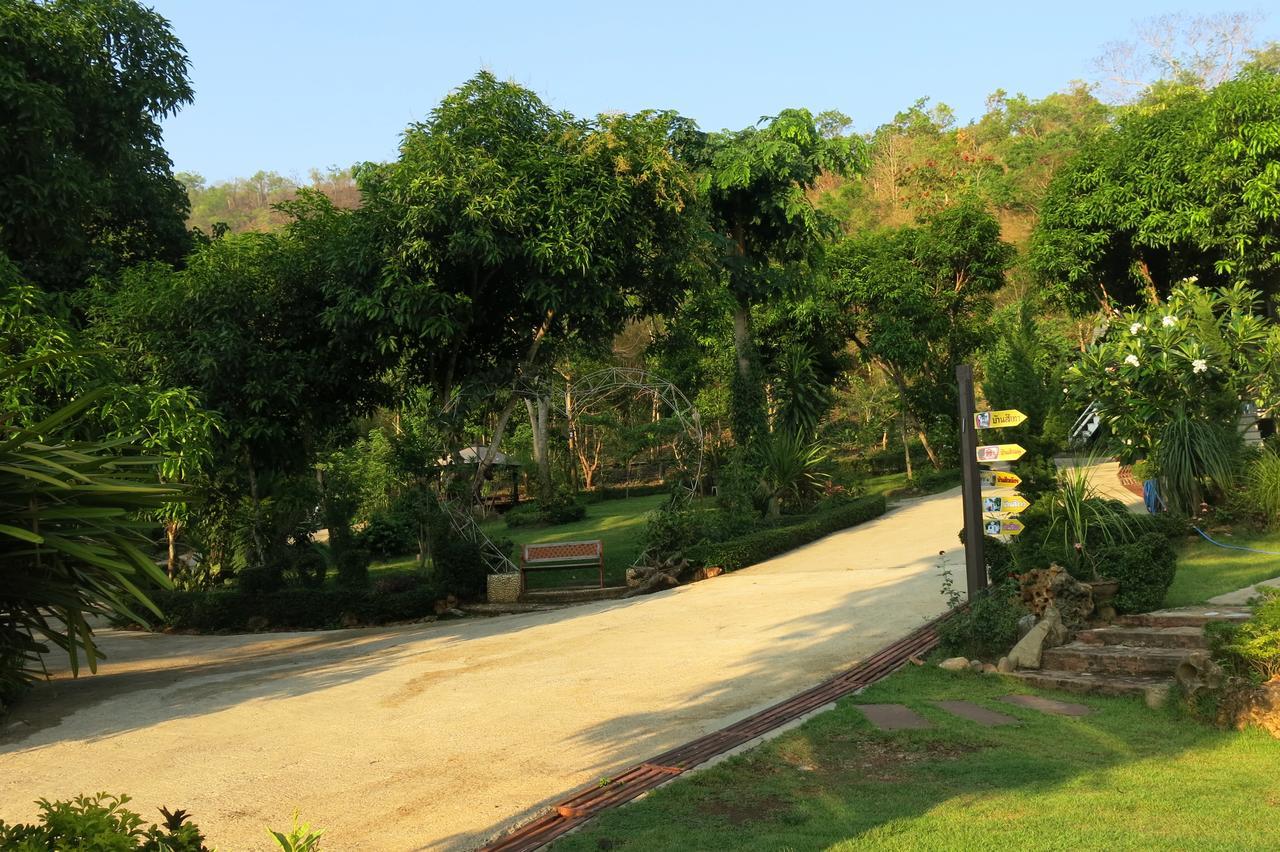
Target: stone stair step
[[1083, 683], [1188, 616], [573, 594], [1114, 659], [1145, 637]]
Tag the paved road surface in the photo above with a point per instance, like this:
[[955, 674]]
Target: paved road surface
[[437, 736]]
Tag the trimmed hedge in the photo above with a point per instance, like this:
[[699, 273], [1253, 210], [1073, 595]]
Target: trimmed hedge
[[294, 607], [762, 544]]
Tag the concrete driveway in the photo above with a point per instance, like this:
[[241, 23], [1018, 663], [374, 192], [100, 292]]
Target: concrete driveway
[[439, 736]]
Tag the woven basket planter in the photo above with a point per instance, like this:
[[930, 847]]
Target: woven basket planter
[[504, 588]]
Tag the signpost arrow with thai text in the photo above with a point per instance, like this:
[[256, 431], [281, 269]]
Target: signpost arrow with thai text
[[1011, 504], [998, 419], [1002, 526], [999, 452], [999, 479]]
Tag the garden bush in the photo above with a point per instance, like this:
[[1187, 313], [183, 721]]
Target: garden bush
[[100, 822], [1252, 649], [389, 534], [988, 627], [760, 545], [297, 608], [460, 570], [1145, 569], [522, 516], [561, 509]]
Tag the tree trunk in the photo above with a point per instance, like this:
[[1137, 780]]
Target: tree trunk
[[928, 450], [255, 531], [906, 445], [539, 413], [171, 533], [499, 430]]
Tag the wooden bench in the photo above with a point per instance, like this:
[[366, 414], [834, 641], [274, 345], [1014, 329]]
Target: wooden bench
[[561, 555]]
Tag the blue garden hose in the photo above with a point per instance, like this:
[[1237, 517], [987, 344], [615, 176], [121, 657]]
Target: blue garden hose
[[1151, 496]]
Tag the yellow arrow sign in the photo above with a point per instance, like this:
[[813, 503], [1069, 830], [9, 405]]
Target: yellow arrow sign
[[1012, 504], [1002, 526], [1000, 452], [998, 419], [999, 479]]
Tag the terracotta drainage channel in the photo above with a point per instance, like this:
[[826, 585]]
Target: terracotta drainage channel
[[582, 806]]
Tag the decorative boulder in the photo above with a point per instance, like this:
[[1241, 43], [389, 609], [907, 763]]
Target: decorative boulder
[[1258, 705], [1199, 673], [954, 664], [1047, 632], [1053, 585]]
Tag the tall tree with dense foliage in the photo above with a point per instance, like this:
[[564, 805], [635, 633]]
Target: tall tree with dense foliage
[[1184, 184], [511, 229], [756, 183], [86, 183], [918, 301]]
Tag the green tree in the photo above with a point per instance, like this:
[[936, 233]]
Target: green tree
[[756, 182], [86, 182], [512, 230], [1183, 184], [917, 302]]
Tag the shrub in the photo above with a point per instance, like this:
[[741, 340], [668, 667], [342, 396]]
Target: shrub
[[353, 567], [760, 545], [999, 558], [1145, 569], [987, 627], [523, 516], [1262, 486], [100, 822], [296, 608], [389, 534], [561, 509], [460, 569], [1251, 649]]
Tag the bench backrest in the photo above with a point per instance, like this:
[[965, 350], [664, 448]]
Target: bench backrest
[[563, 551]]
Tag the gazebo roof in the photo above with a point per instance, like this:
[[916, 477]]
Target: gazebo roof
[[473, 455]]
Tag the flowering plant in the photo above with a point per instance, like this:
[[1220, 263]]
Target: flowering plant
[[1198, 356]]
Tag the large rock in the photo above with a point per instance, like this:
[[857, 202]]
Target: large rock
[[1258, 705], [1199, 673], [1048, 632], [954, 664], [1053, 585]]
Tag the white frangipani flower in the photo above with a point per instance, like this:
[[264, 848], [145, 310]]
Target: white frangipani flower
[[1199, 365], [1132, 360], [1193, 279], [1169, 321], [1135, 328]]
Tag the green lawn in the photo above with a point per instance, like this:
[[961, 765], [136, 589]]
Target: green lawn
[[1205, 570], [618, 523], [896, 485], [1125, 777]]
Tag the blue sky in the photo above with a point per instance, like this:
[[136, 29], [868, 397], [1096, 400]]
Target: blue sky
[[286, 86]]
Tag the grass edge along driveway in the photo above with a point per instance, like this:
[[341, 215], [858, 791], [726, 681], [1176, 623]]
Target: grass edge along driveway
[[1124, 777]]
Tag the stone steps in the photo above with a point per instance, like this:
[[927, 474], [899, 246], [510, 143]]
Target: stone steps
[[1188, 616], [572, 594], [1084, 683], [1124, 660], [1145, 637], [1138, 655]]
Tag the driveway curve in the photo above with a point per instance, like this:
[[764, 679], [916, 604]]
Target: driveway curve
[[439, 736]]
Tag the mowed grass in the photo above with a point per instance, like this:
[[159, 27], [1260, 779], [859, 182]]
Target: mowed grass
[[1124, 777], [617, 523], [1206, 570]]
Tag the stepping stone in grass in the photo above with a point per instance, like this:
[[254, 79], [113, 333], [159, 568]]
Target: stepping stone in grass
[[975, 713], [1047, 705], [893, 717]]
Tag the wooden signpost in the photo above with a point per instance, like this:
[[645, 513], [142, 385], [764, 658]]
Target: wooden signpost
[[1001, 505]]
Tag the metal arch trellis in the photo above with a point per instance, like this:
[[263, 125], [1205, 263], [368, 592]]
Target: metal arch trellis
[[607, 381], [593, 386]]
